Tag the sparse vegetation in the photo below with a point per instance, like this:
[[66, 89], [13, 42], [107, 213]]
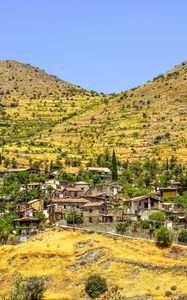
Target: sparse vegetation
[[31, 288], [40, 106], [183, 236], [163, 237], [95, 285]]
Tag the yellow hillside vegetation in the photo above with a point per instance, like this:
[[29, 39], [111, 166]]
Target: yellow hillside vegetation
[[65, 259]]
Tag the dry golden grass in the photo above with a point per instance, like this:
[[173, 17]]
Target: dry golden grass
[[51, 253]]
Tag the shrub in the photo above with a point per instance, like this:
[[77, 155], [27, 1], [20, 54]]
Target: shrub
[[73, 217], [157, 218], [30, 289], [145, 224], [163, 237], [122, 227], [95, 285], [183, 236]]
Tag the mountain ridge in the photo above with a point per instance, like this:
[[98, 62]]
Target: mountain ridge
[[36, 108]]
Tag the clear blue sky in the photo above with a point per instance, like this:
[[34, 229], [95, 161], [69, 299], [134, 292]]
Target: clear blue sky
[[104, 45]]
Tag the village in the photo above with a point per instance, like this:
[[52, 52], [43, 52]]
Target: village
[[96, 207]]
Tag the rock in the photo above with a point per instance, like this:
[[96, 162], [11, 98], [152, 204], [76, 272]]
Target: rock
[[90, 256], [82, 244], [180, 297], [105, 264]]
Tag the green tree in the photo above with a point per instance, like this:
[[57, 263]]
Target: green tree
[[73, 217], [30, 289], [163, 237], [96, 179], [183, 236], [122, 227], [14, 163], [95, 285], [157, 218], [182, 200], [114, 166], [7, 226]]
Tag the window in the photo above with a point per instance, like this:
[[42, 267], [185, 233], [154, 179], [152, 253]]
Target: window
[[152, 203], [64, 206], [146, 205], [90, 219]]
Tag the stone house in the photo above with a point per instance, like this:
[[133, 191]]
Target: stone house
[[138, 205], [72, 192], [94, 212], [58, 208], [56, 193], [82, 185], [37, 204], [104, 173], [170, 192], [27, 212], [30, 224]]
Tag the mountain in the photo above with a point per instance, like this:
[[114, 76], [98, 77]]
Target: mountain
[[44, 117]]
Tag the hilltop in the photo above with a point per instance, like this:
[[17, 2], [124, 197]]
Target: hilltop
[[45, 118], [66, 259]]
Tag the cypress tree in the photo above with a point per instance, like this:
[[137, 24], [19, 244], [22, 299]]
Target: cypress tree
[[114, 166]]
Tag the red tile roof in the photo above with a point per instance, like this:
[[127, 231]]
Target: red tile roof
[[70, 200], [73, 189], [91, 204]]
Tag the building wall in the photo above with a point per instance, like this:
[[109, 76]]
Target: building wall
[[38, 205], [169, 194]]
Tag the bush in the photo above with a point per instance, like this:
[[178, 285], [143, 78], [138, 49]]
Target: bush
[[183, 236], [163, 237], [73, 217], [145, 224], [95, 285], [122, 227], [157, 218], [30, 289]]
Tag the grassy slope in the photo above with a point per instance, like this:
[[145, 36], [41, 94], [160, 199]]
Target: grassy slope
[[82, 123], [51, 253]]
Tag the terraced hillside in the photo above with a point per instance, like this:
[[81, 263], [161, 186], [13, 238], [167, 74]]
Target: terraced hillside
[[43, 117], [66, 259]]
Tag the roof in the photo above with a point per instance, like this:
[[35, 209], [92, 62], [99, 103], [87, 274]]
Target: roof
[[73, 189], [33, 183], [70, 200], [58, 190], [82, 182], [28, 208], [169, 188], [91, 204], [35, 200], [141, 198], [27, 219], [96, 196], [105, 170]]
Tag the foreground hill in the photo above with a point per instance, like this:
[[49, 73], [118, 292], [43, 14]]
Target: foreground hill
[[43, 116], [66, 259]]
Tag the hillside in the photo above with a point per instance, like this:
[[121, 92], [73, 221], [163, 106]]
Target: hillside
[[66, 259], [43, 117]]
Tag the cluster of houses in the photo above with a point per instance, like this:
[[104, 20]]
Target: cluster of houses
[[96, 204]]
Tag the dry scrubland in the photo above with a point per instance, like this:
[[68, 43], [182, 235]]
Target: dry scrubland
[[65, 259], [43, 117]]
